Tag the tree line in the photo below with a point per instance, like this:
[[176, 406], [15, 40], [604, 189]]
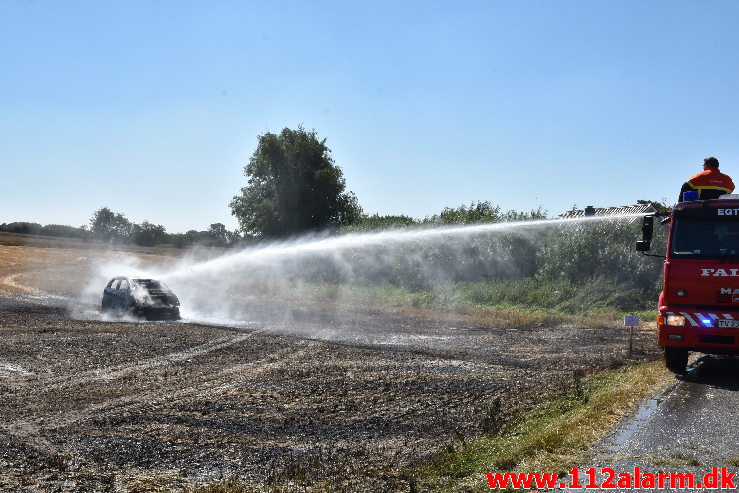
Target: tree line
[[58, 230], [293, 187], [112, 227]]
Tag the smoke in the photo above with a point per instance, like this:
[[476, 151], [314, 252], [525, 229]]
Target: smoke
[[295, 283]]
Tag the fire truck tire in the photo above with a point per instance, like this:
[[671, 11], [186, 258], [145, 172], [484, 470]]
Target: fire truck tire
[[676, 359]]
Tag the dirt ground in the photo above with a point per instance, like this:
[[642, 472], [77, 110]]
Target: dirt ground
[[338, 400]]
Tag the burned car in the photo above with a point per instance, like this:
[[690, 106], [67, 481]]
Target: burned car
[[139, 297]]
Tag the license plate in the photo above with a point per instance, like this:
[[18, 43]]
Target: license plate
[[728, 323]]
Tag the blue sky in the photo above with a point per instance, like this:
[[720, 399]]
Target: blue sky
[[152, 108]]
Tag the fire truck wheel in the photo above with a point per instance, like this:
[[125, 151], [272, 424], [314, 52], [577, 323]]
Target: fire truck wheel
[[676, 359]]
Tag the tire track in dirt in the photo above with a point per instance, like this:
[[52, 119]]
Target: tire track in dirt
[[122, 371], [11, 372], [32, 430], [29, 432], [9, 281], [210, 386]]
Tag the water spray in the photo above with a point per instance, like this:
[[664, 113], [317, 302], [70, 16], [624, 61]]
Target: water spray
[[270, 281], [316, 244]]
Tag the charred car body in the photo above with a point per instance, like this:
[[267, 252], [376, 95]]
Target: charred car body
[[140, 297]]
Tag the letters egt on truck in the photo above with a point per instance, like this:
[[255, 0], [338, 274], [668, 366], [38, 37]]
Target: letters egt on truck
[[699, 303]]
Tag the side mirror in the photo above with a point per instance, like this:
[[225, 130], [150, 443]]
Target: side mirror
[[642, 246], [647, 228]]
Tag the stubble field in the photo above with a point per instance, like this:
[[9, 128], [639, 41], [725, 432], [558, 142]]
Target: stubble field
[[327, 399]]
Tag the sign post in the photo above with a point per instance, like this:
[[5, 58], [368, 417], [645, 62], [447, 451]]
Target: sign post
[[631, 321]]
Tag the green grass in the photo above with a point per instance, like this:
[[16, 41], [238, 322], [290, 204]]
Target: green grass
[[552, 438], [563, 297], [10, 242], [520, 304], [677, 459]]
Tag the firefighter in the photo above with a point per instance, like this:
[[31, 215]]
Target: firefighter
[[709, 183]]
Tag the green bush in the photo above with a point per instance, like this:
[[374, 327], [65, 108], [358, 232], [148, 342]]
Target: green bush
[[571, 266]]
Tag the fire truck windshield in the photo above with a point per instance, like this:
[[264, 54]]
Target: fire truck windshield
[[705, 237]]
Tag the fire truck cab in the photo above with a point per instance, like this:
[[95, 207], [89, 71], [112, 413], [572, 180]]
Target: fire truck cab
[[699, 303]]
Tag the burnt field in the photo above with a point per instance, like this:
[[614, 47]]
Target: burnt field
[[332, 399]]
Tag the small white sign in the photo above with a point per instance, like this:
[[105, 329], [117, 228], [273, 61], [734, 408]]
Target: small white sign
[[631, 320]]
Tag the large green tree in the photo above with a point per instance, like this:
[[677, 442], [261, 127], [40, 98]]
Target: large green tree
[[294, 186], [148, 234], [110, 226]]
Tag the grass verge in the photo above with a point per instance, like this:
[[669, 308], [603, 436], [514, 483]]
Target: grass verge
[[452, 306], [553, 438], [597, 296]]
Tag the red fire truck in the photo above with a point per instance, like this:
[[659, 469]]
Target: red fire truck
[[699, 303]]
